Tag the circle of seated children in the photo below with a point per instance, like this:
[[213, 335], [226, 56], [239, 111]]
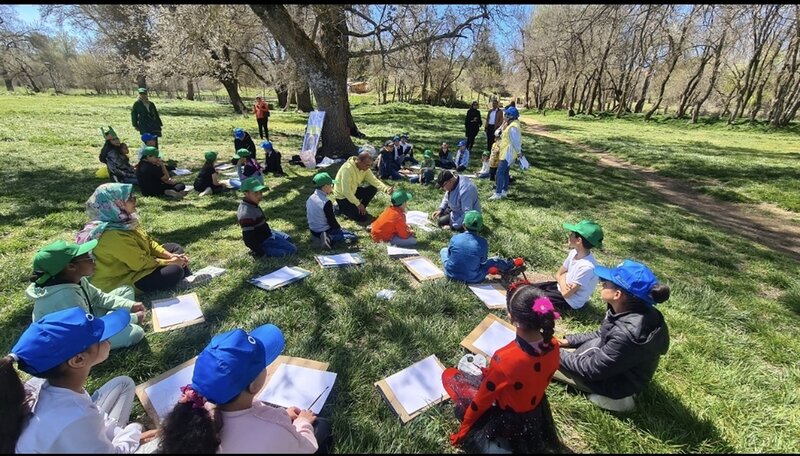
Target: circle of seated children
[[125, 254], [391, 225]]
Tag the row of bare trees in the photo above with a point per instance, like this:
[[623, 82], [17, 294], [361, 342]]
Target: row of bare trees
[[739, 61]]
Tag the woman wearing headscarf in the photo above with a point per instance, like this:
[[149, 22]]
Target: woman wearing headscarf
[[472, 124], [125, 254]]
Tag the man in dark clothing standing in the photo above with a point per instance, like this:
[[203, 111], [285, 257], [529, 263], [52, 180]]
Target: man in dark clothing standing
[[242, 140], [472, 124], [144, 116]]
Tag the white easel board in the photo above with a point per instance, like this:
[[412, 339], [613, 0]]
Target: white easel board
[[491, 294], [177, 312], [415, 388], [422, 268], [491, 334]]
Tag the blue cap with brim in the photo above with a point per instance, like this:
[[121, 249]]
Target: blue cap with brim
[[635, 278], [58, 336], [233, 360]]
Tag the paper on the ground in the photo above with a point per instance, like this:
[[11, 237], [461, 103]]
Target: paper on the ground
[[165, 394], [213, 271], [489, 295], [400, 251], [177, 310], [224, 166], [299, 386], [424, 267], [418, 385], [325, 162], [496, 336], [279, 277], [340, 259], [419, 219], [231, 174], [182, 172]]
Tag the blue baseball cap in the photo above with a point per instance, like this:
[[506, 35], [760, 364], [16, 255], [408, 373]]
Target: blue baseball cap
[[463, 142], [148, 137], [635, 278], [266, 145], [396, 138], [511, 112], [58, 336], [233, 360], [238, 133]]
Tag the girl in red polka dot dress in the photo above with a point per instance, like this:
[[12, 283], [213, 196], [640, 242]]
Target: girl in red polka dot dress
[[510, 407]]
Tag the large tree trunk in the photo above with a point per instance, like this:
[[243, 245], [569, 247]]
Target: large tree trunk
[[7, 79], [282, 95], [325, 67], [643, 95], [141, 80], [190, 90], [232, 87]]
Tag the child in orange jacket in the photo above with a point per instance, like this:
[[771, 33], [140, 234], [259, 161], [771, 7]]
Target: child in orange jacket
[[391, 225]]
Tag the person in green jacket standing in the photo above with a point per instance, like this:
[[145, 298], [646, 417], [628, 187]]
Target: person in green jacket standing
[[60, 281], [144, 116]]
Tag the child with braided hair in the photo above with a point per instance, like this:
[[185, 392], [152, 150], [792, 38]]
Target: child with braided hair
[[510, 407]]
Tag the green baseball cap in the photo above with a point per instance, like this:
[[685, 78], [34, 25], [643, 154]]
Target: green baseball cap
[[211, 156], [588, 230], [486, 153], [427, 153], [241, 153], [252, 184], [141, 90], [150, 151], [109, 132], [400, 196], [321, 179], [54, 257], [473, 221]]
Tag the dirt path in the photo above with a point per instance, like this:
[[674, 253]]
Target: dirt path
[[771, 227]]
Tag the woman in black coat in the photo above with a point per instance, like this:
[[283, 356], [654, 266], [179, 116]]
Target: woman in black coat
[[472, 124]]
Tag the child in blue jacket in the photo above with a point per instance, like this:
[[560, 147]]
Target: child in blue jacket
[[467, 257]]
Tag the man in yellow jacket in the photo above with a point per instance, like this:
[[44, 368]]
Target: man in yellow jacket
[[351, 197]]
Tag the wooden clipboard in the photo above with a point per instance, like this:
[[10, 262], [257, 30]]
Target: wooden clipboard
[[501, 289], [356, 255], [151, 411], [157, 326], [388, 394], [407, 260], [469, 341]]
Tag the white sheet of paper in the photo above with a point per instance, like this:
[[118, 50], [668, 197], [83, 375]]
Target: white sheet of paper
[[224, 166], [182, 172], [299, 386], [177, 310], [165, 394], [424, 267], [420, 219], [494, 338], [213, 271], [418, 385], [489, 295], [279, 277], [231, 174], [342, 258], [400, 251]]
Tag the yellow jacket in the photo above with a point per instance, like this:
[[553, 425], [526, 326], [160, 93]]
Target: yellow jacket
[[350, 177], [125, 256], [509, 141]]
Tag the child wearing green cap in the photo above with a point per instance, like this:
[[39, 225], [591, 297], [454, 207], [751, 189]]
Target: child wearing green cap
[[391, 225], [325, 230], [246, 167], [427, 169], [466, 258], [575, 279], [154, 178], [60, 281], [207, 180], [256, 233]]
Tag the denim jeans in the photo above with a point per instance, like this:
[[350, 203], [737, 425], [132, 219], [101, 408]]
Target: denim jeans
[[340, 235], [397, 241], [502, 177], [278, 245]]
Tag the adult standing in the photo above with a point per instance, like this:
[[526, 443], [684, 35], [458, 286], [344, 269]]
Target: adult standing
[[472, 124], [461, 196], [351, 197], [510, 148], [493, 120], [261, 110], [144, 116]]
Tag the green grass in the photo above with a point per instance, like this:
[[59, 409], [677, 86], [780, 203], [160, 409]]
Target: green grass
[[741, 163], [730, 382]]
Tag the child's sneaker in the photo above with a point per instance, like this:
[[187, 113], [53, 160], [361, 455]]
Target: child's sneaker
[[626, 404], [194, 281], [495, 196], [207, 191], [504, 193]]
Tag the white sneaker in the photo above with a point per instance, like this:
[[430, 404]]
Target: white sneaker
[[626, 404], [207, 191], [173, 194], [504, 193], [495, 196]]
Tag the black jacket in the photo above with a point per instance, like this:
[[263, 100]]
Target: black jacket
[[621, 357], [245, 143]]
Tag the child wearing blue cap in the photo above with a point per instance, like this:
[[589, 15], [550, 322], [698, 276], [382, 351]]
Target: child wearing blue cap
[[229, 373], [462, 156], [57, 415], [242, 140], [272, 161], [618, 361]]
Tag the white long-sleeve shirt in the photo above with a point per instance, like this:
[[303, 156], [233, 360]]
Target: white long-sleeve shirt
[[514, 142], [64, 421]]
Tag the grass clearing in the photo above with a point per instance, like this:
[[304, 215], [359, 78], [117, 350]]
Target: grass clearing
[[730, 382]]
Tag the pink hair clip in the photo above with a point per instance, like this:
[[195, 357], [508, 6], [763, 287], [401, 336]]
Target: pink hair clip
[[543, 305], [190, 395]]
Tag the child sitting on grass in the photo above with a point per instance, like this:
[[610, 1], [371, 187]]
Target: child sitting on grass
[[154, 178], [391, 225], [60, 279], [257, 235], [575, 279], [485, 171], [466, 258], [509, 408], [119, 165], [229, 373], [246, 167], [619, 360], [427, 169], [207, 180], [325, 230]]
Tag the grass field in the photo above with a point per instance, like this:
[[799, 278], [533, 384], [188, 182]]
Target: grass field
[[730, 382]]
